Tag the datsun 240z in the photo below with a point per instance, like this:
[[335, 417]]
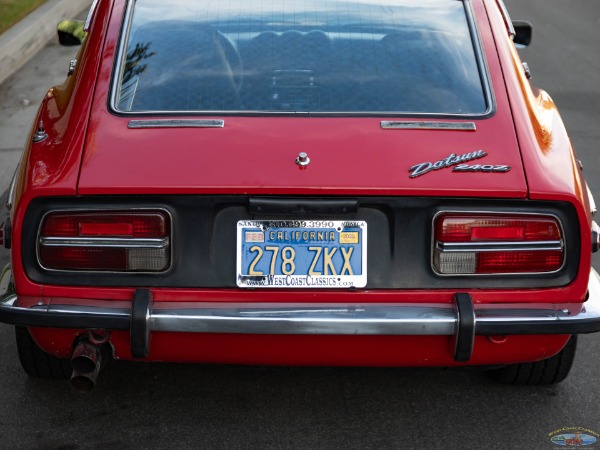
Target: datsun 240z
[[350, 183]]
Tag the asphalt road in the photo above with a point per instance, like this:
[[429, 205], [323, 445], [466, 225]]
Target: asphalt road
[[193, 406]]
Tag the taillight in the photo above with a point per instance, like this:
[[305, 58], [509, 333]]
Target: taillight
[[496, 244], [105, 241]]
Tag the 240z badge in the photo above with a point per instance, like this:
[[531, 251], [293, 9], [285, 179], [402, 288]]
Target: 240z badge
[[459, 161]]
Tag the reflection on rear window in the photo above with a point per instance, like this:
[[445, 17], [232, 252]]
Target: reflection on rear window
[[311, 56]]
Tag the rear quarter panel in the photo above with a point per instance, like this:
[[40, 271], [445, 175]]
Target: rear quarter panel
[[51, 167], [548, 156]]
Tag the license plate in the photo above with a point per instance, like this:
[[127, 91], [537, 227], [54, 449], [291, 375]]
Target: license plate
[[301, 254]]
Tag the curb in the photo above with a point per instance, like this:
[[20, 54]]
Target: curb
[[21, 42]]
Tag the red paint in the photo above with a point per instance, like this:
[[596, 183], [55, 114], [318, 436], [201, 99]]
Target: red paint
[[547, 154], [374, 351], [349, 156], [534, 296], [90, 151], [51, 167]]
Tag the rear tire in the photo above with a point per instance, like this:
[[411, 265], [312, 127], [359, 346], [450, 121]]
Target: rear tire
[[36, 362], [548, 371]]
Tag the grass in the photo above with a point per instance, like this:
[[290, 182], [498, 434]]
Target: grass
[[11, 11]]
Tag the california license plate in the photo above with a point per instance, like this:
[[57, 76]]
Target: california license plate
[[301, 254]]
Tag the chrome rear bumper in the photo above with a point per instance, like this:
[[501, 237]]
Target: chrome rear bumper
[[462, 319]]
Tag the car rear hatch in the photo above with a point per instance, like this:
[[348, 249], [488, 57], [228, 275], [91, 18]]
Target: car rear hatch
[[346, 156], [212, 178]]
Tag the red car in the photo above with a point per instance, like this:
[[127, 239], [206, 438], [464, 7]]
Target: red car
[[300, 183]]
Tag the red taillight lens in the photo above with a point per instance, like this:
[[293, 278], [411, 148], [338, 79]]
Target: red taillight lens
[[497, 244], [78, 258], [135, 225], [519, 261], [485, 228], [105, 241]]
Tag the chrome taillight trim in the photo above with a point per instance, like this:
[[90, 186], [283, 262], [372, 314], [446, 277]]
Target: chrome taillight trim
[[454, 247], [150, 244], [104, 243], [488, 246]]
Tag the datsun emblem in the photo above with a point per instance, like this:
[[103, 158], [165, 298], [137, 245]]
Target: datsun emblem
[[459, 164]]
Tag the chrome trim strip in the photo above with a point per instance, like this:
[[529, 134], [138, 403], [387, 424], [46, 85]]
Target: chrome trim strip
[[454, 247], [81, 310], [510, 28], [176, 123], [335, 114], [449, 126], [90, 16], [484, 74], [121, 56], [480, 55], [104, 242], [6, 284], [11, 191], [593, 208], [8, 301]]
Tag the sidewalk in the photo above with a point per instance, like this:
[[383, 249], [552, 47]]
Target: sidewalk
[[27, 79], [21, 42]]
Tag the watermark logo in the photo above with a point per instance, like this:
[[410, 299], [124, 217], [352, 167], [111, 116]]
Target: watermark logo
[[574, 437]]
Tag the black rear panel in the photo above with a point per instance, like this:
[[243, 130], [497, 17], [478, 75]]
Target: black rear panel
[[399, 245]]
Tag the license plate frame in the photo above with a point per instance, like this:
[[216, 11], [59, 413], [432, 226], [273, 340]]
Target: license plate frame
[[342, 268]]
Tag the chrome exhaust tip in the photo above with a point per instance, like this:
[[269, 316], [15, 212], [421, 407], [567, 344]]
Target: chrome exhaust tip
[[84, 383], [86, 362], [85, 357]]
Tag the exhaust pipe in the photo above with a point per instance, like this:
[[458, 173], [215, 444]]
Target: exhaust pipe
[[86, 362]]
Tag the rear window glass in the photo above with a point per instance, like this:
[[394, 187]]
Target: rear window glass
[[321, 56]]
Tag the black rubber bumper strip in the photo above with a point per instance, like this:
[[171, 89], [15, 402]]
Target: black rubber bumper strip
[[465, 327], [140, 326]]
